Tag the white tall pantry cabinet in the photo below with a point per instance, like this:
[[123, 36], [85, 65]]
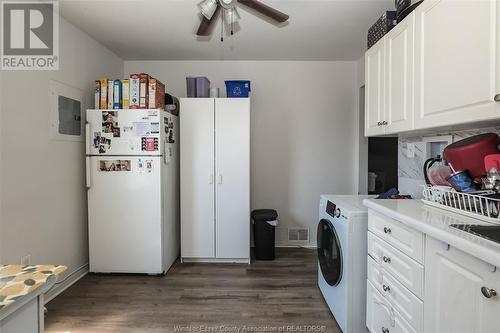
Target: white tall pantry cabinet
[[215, 179]]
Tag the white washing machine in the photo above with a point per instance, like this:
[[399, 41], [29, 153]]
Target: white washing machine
[[342, 253]]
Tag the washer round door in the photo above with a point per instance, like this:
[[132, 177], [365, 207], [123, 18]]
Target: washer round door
[[329, 253]]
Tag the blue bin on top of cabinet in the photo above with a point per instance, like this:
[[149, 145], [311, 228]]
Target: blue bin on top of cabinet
[[237, 88]]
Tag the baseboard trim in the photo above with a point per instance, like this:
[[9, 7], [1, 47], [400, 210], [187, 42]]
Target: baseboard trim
[[311, 245], [308, 246], [215, 260], [67, 282]]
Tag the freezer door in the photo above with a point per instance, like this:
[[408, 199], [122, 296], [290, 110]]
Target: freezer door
[[125, 215], [124, 132]]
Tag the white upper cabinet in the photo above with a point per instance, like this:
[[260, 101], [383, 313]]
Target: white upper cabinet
[[374, 92], [389, 69], [460, 292], [457, 62], [399, 70], [439, 67]]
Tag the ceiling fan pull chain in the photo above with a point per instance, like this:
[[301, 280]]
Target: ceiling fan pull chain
[[222, 30]]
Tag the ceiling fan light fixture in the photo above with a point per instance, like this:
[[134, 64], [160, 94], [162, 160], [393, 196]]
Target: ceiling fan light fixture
[[208, 8], [231, 16]]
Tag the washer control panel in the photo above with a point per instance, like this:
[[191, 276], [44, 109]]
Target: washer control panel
[[332, 210]]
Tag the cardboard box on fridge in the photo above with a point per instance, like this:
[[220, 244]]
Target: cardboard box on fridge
[[143, 91], [97, 94], [134, 91], [104, 94], [156, 93], [125, 93], [110, 94], [117, 94]]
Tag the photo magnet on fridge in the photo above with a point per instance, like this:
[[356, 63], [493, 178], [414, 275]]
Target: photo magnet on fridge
[[114, 165], [149, 144], [97, 139], [110, 123], [149, 166]]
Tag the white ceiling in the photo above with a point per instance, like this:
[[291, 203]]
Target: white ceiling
[[165, 29]]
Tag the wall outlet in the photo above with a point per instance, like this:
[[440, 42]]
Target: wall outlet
[[26, 260]]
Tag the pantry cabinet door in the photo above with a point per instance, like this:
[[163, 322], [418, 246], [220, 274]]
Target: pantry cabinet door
[[456, 62], [197, 172], [232, 165], [399, 69], [374, 90], [453, 300]]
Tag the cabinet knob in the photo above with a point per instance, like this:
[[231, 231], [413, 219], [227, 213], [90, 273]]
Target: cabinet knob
[[386, 288], [388, 260], [387, 230], [385, 122], [379, 123], [488, 293], [497, 98], [385, 330]]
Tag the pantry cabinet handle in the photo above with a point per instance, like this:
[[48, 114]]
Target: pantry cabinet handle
[[497, 98], [220, 178], [385, 329], [386, 259], [386, 288], [488, 293], [387, 230]]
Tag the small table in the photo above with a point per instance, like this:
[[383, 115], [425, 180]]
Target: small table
[[21, 296]]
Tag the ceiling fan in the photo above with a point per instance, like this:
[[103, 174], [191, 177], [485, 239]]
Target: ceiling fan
[[211, 10]]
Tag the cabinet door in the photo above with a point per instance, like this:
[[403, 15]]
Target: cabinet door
[[380, 316], [374, 90], [232, 151], [399, 69], [197, 177], [453, 299], [456, 62]]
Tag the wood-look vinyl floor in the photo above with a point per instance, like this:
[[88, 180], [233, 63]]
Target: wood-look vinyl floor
[[265, 296]]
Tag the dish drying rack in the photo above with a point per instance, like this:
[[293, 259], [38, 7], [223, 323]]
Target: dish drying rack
[[475, 205]]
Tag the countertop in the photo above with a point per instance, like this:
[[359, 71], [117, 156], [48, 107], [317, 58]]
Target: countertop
[[435, 222], [18, 282]]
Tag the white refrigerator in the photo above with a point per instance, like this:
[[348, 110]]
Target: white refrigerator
[[132, 177]]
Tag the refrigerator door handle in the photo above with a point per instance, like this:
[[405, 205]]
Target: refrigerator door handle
[[165, 151], [87, 173], [87, 138]]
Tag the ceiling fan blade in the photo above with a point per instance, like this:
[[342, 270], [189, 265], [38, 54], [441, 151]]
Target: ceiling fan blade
[[206, 25], [265, 10]]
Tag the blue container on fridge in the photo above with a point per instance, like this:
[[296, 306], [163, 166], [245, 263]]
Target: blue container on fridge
[[238, 88]]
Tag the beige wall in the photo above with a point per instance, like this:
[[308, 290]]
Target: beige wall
[[43, 195], [302, 121]]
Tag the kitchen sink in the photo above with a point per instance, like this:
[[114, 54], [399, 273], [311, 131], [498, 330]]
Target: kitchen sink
[[491, 232]]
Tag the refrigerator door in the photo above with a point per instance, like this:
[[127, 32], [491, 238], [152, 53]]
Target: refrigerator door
[[125, 214], [125, 132]]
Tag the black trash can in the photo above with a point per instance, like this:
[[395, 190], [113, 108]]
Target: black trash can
[[263, 233]]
